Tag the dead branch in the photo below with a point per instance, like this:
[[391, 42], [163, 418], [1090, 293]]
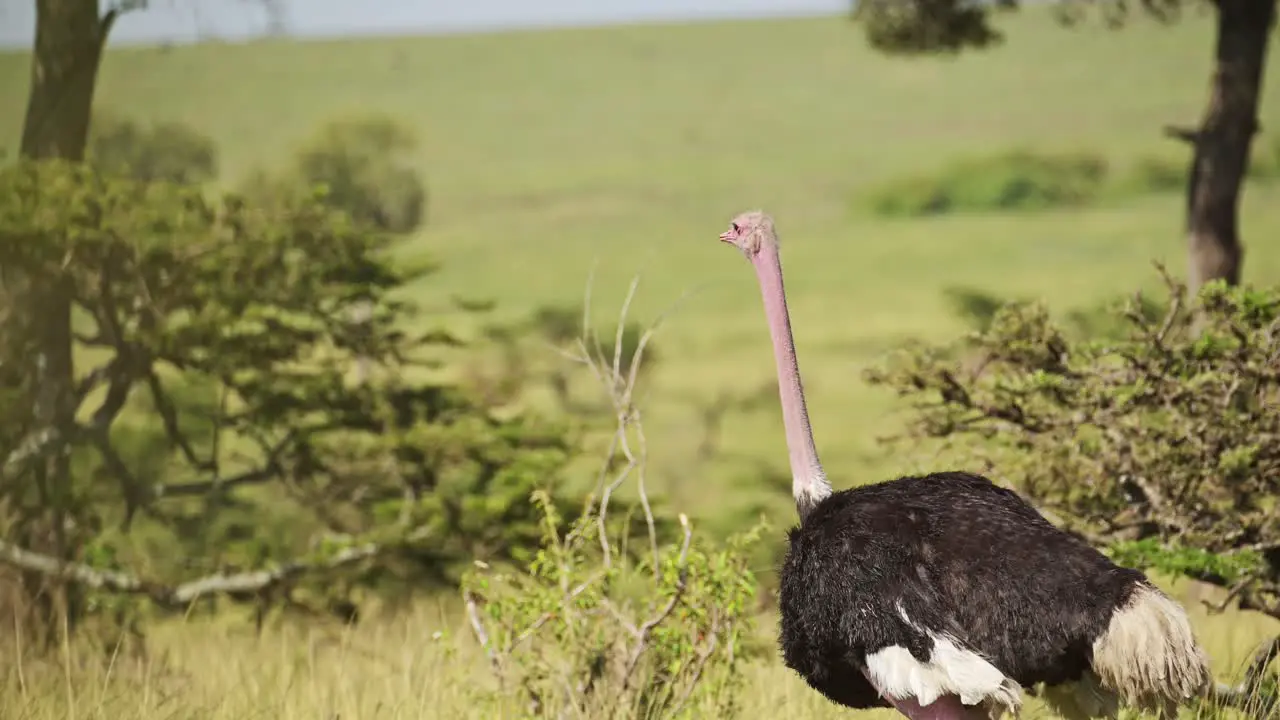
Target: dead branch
[[621, 393], [31, 448], [178, 597], [477, 627], [1191, 136]]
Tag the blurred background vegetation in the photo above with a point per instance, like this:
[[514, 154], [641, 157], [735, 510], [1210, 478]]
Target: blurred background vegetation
[[403, 376]]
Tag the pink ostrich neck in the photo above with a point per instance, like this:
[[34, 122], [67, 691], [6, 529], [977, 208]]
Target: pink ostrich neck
[[808, 481]]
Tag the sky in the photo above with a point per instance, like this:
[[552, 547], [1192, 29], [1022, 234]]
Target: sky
[[181, 21]]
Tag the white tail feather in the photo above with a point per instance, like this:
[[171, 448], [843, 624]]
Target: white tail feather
[[1149, 655]]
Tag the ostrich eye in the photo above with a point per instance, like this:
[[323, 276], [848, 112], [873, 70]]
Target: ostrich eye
[[734, 227]]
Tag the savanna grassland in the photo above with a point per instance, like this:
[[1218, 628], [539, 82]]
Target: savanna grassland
[[554, 155]]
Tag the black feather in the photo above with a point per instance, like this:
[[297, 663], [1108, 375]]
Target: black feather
[[959, 555]]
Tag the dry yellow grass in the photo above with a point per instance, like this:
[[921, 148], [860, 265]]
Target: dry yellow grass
[[419, 664]]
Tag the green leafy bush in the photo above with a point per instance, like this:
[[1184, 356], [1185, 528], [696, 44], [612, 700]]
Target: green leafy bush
[[1162, 444], [220, 443], [1155, 174], [1022, 180], [580, 629], [366, 167], [156, 152], [587, 629], [1017, 180]]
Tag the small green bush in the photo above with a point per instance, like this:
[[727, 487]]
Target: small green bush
[[1017, 180], [580, 629], [1022, 180], [1158, 174], [1154, 174], [158, 152], [365, 168], [590, 629]]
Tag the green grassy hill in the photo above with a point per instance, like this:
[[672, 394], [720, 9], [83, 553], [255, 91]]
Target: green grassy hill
[[629, 149]]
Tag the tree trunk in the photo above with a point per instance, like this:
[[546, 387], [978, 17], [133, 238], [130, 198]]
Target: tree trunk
[[70, 35], [1222, 143]]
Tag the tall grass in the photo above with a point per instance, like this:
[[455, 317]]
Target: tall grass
[[419, 664]]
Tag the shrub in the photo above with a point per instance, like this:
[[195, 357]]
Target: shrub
[[1160, 445], [158, 152], [364, 166], [1017, 180], [586, 630], [1020, 180], [1157, 175], [1163, 445]]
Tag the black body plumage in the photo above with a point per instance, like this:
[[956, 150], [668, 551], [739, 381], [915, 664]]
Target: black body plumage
[[957, 555]]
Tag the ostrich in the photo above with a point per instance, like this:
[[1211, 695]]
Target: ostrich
[[944, 595]]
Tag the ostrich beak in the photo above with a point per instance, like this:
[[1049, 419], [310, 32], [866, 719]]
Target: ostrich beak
[[726, 236]]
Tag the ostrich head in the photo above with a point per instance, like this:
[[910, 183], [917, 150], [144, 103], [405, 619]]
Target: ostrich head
[[753, 233]]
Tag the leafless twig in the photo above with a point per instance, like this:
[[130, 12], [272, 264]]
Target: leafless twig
[[477, 627]]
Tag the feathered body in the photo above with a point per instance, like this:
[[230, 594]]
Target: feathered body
[[953, 556], [945, 595]]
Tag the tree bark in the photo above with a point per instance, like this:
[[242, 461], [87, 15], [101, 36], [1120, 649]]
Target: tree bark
[[1221, 159], [70, 36]]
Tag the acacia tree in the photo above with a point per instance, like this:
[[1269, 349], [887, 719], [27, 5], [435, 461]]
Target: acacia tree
[[1221, 143], [175, 392], [70, 37]]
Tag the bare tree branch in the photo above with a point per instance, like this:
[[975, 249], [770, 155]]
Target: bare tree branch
[[1188, 135], [169, 416], [32, 447], [477, 626], [196, 488], [176, 597]]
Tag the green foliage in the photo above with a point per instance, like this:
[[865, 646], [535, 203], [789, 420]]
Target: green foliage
[[1163, 443], [161, 151], [580, 629], [910, 27], [1016, 180], [1021, 180], [1174, 559], [1155, 174], [921, 27], [223, 428], [367, 168]]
